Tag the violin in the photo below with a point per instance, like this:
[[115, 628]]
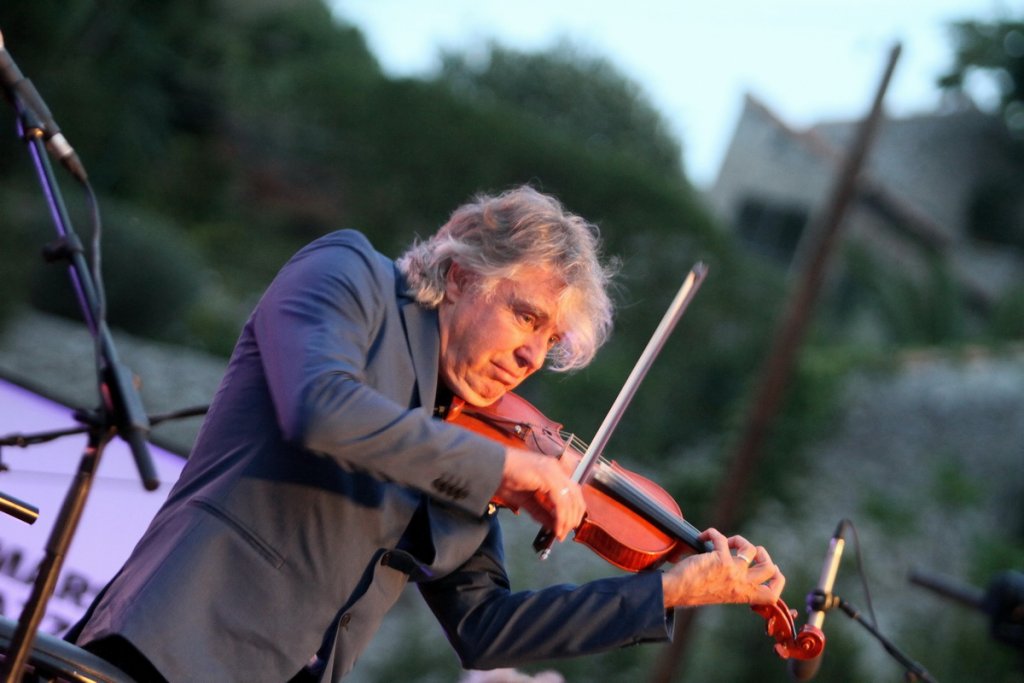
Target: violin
[[630, 522]]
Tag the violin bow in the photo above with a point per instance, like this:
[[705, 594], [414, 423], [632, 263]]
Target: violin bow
[[545, 539]]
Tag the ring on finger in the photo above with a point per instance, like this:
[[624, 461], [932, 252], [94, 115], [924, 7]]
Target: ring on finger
[[564, 491], [741, 556]]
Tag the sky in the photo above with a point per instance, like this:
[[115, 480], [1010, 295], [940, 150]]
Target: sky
[[807, 60]]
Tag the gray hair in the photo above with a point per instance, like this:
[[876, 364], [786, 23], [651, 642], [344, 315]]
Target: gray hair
[[495, 236]]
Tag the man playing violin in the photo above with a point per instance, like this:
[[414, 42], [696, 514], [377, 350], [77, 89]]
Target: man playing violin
[[321, 482]]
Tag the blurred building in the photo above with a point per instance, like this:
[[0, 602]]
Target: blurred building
[[940, 188]]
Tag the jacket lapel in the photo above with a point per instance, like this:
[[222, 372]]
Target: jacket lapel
[[424, 343]]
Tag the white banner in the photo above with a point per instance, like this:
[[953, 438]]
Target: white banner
[[116, 513]]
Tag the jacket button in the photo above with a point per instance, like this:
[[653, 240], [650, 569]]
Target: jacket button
[[345, 619]]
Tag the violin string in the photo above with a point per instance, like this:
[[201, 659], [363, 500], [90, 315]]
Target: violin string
[[616, 481], [629, 492], [626, 487]]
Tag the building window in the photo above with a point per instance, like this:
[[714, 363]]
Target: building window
[[771, 228]]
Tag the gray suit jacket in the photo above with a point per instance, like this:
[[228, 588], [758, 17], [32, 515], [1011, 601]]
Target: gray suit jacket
[[284, 535]]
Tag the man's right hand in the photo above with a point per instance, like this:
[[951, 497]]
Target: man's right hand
[[540, 485]]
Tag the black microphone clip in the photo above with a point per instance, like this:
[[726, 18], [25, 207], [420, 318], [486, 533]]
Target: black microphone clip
[[820, 601], [38, 122]]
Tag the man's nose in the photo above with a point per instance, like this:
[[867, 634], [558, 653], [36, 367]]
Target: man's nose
[[533, 352]]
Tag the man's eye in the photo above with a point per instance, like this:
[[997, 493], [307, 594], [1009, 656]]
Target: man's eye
[[553, 341], [526, 317]]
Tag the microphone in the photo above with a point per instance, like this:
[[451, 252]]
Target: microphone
[[1002, 601], [820, 600], [966, 595], [21, 92]]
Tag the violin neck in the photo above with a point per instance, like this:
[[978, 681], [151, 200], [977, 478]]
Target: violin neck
[[619, 486]]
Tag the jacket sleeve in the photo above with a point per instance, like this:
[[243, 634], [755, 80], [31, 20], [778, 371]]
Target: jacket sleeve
[[325, 314], [489, 626]]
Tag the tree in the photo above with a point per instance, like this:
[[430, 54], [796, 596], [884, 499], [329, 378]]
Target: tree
[[581, 95], [997, 50]]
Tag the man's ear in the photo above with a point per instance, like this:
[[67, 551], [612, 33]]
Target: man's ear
[[457, 281]]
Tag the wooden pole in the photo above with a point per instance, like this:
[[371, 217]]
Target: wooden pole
[[778, 366]]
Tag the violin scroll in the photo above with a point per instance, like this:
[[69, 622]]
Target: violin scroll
[[780, 625]]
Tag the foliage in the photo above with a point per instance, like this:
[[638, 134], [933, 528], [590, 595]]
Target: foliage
[[952, 487], [579, 95], [996, 213], [996, 49], [16, 237], [1008, 316], [900, 307], [150, 277]]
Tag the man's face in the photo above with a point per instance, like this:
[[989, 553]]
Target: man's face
[[491, 342]]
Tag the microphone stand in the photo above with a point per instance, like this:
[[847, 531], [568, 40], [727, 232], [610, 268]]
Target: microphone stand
[[914, 671], [120, 413]]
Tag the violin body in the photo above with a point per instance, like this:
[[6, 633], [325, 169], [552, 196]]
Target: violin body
[[604, 526], [609, 520], [630, 522]]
